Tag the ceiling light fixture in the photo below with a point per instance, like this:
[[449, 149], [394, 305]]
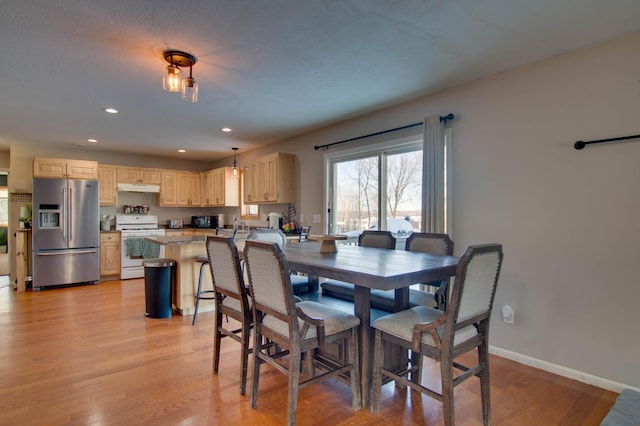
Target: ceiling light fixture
[[171, 79], [110, 110], [227, 129], [235, 163]]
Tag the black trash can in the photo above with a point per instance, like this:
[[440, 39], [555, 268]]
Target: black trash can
[[158, 279]]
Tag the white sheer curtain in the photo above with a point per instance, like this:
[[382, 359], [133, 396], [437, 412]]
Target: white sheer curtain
[[433, 169]]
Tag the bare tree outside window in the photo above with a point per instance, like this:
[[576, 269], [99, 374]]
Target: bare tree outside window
[[357, 186]]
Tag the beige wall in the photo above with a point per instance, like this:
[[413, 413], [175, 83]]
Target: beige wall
[[568, 219]]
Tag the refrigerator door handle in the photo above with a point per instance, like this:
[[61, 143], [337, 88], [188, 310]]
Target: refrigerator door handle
[[70, 215], [65, 252], [64, 215]]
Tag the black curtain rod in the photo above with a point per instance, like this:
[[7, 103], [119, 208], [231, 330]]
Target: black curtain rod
[[443, 118], [582, 144]]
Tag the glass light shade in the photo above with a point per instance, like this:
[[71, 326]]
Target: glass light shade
[[189, 90], [235, 170], [171, 79]]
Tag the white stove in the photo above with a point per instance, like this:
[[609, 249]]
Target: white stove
[[135, 226]]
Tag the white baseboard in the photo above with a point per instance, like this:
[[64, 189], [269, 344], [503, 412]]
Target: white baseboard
[[562, 371]]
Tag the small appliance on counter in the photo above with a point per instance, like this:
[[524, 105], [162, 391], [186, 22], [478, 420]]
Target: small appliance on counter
[[204, 221], [275, 220], [175, 224]]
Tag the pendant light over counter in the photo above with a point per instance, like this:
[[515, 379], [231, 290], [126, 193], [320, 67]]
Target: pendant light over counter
[[236, 173], [171, 81]]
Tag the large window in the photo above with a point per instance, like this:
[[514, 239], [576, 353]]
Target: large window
[[378, 187]]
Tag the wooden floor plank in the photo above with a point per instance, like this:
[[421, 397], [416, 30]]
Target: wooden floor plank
[[87, 356]]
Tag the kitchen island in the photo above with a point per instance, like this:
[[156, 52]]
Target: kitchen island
[[183, 249]]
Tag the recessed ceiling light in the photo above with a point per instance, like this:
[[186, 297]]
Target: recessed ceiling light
[[92, 140], [110, 110], [227, 129], [182, 150]]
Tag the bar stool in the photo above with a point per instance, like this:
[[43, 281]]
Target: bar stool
[[202, 295]]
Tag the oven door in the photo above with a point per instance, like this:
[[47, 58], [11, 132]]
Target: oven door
[[131, 265]]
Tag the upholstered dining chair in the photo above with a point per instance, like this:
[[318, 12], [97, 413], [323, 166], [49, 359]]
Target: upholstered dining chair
[[345, 290], [433, 243], [296, 329], [300, 283], [304, 233], [444, 336], [377, 239], [232, 300]]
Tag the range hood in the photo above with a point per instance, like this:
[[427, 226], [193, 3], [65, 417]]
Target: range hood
[[138, 187]]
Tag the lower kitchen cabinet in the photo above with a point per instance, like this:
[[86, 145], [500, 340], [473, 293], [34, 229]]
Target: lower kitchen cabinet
[[109, 255]]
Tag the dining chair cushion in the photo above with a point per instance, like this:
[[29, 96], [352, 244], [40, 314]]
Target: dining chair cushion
[[386, 298], [401, 325], [383, 300], [335, 320], [300, 283]]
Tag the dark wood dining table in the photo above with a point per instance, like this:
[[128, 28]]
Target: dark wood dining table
[[369, 268]]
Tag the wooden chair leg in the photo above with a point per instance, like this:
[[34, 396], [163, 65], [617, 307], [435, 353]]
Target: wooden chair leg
[[294, 384], [378, 358], [483, 359], [255, 379], [446, 372], [356, 396], [416, 362], [245, 357], [217, 339]]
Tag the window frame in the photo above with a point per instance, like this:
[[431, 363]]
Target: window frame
[[391, 146]]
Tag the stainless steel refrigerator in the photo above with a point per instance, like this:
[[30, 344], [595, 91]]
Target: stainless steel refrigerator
[[66, 232]]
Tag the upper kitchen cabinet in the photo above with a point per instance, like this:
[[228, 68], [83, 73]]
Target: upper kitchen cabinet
[[62, 168], [169, 188], [188, 189], [108, 185], [180, 189], [271, 179], [221, 188], [250, 183], [139, 175]]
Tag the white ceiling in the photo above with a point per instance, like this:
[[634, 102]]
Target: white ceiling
[[269, 69]]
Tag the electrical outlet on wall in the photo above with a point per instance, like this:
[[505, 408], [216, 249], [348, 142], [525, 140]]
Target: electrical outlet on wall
[[508, 316]]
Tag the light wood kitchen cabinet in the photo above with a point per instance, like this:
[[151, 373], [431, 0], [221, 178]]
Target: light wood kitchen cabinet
[[63, 168], [139, 175], [108, 186], [188, 189], [270, 179], [169, 188], [221, 188], [109, 255], [181, 189], [250, 183]]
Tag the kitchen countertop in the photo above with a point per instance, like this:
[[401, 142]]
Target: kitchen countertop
[[178, 240]]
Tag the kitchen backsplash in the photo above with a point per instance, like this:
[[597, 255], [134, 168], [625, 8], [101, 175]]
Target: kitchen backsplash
[[164, 213]]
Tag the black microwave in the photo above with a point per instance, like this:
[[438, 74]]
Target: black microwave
[[204, 221]]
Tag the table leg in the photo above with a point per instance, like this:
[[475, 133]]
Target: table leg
[[314, 283], [362, 308], [401, 301]]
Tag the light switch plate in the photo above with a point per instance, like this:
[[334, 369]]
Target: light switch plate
[[316, 218]]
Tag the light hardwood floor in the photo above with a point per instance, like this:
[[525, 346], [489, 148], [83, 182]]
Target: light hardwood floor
[[87, 356]]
